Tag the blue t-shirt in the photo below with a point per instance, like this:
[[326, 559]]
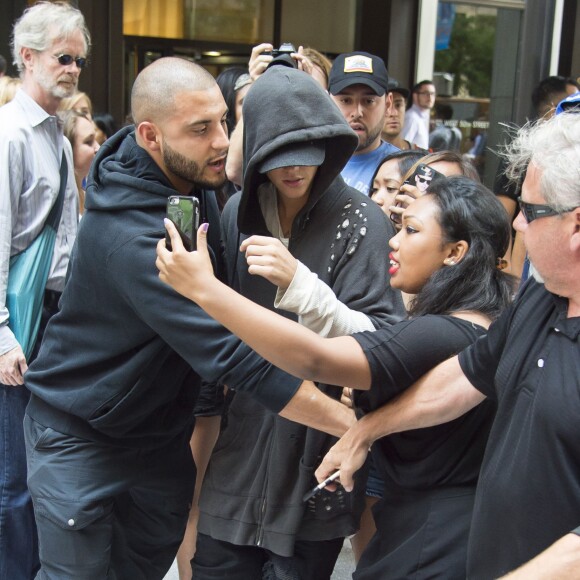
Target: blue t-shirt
[[360, 168]]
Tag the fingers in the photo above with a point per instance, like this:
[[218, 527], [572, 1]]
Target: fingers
[[346, 398], [202, 238], [258, 60], [409, 191], [258, 241], [304, 63], [259, 49], [176, 243], [23, 368], [12, 367]]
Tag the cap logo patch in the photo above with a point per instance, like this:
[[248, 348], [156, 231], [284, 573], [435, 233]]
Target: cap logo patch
[[358, 63]]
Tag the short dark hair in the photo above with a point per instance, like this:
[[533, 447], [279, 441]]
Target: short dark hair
[[406, 159], [549, 87], [106, 123], [420, 84], [471, 212]]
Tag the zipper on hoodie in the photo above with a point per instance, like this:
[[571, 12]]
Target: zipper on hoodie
[[261, 527], [264, 506]]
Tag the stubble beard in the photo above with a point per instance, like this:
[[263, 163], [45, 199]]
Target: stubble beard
[[371, 137], [188, 169]]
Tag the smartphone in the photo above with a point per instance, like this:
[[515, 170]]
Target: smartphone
[[183, 211], [421, 178], [321, 486]]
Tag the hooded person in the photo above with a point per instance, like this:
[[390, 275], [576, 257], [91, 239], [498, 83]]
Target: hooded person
[[296, 214]]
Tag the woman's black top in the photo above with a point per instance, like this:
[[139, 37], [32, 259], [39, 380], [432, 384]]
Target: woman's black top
[[445, 455]]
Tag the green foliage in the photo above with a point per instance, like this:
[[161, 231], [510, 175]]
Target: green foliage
[[470, 54]]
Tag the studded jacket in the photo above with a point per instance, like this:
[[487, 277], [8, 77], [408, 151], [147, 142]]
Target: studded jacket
[[262, 464]]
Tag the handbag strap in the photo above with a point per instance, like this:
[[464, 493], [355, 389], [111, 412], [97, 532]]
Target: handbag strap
[[53, 218]]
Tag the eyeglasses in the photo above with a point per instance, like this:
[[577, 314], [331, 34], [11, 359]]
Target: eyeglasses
[[66, 59], [534, 211]]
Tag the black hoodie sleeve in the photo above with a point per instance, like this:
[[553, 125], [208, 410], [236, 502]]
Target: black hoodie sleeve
[[211, 350]]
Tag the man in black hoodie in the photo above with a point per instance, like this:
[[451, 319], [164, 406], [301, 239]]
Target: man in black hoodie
[[296, 143], [113, 389]]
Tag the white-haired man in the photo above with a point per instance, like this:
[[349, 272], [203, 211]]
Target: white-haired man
[[528, 497], [50, 46]]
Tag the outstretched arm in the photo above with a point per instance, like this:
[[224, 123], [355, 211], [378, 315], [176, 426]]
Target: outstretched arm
[[561, 561], [286, 344], [443, 394]]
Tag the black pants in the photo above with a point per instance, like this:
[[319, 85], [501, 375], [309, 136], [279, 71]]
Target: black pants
[[106, 511], [217, 559]]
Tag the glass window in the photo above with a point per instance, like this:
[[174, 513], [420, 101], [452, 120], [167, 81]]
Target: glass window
[[326, 25], [235, 21], [464, 48]]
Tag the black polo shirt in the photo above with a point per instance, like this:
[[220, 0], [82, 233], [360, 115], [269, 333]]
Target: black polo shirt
[[528, 494]]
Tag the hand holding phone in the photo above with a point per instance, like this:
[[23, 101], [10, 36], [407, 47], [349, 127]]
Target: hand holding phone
[[183, 211], [419, 180], [321, 486]]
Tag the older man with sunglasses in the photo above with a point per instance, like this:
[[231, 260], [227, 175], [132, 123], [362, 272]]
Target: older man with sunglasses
[[527, 509], [50, 45]]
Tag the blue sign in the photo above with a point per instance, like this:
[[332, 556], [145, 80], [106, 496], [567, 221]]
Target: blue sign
[[445, 19]]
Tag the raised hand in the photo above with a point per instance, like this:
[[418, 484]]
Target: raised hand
[[186, 272], [269, 258], [258, 60]]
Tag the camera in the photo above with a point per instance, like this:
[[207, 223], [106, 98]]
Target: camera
[[285, 48], [281, 56]]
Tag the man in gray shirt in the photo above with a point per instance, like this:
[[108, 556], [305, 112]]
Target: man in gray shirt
[[50, 46]]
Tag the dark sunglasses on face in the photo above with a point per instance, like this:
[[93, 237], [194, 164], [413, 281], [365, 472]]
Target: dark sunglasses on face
[[66, 59], [533, 211]]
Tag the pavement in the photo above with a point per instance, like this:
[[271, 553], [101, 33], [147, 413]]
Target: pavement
[[342, 571]]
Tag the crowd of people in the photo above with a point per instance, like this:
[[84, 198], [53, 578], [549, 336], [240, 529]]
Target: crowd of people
[[360, 346]]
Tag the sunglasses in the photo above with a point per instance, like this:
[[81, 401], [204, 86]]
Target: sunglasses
[[423, 179], [66, 59], [534, 211]]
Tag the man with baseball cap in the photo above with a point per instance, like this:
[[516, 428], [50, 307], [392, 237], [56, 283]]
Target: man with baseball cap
[[359, 85]]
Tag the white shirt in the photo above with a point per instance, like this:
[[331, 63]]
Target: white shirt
[[31, 147], [416, 128]]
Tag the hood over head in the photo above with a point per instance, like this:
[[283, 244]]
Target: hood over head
[[289, 117]]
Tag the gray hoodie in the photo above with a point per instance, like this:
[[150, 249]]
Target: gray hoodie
[[262, 465]]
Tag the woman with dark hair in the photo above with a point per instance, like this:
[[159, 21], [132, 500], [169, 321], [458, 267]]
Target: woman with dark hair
[[446, 255], [234, 83], [388, 178], [106, 126]]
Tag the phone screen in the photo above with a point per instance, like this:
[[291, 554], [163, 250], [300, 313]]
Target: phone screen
[[183, 211]]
